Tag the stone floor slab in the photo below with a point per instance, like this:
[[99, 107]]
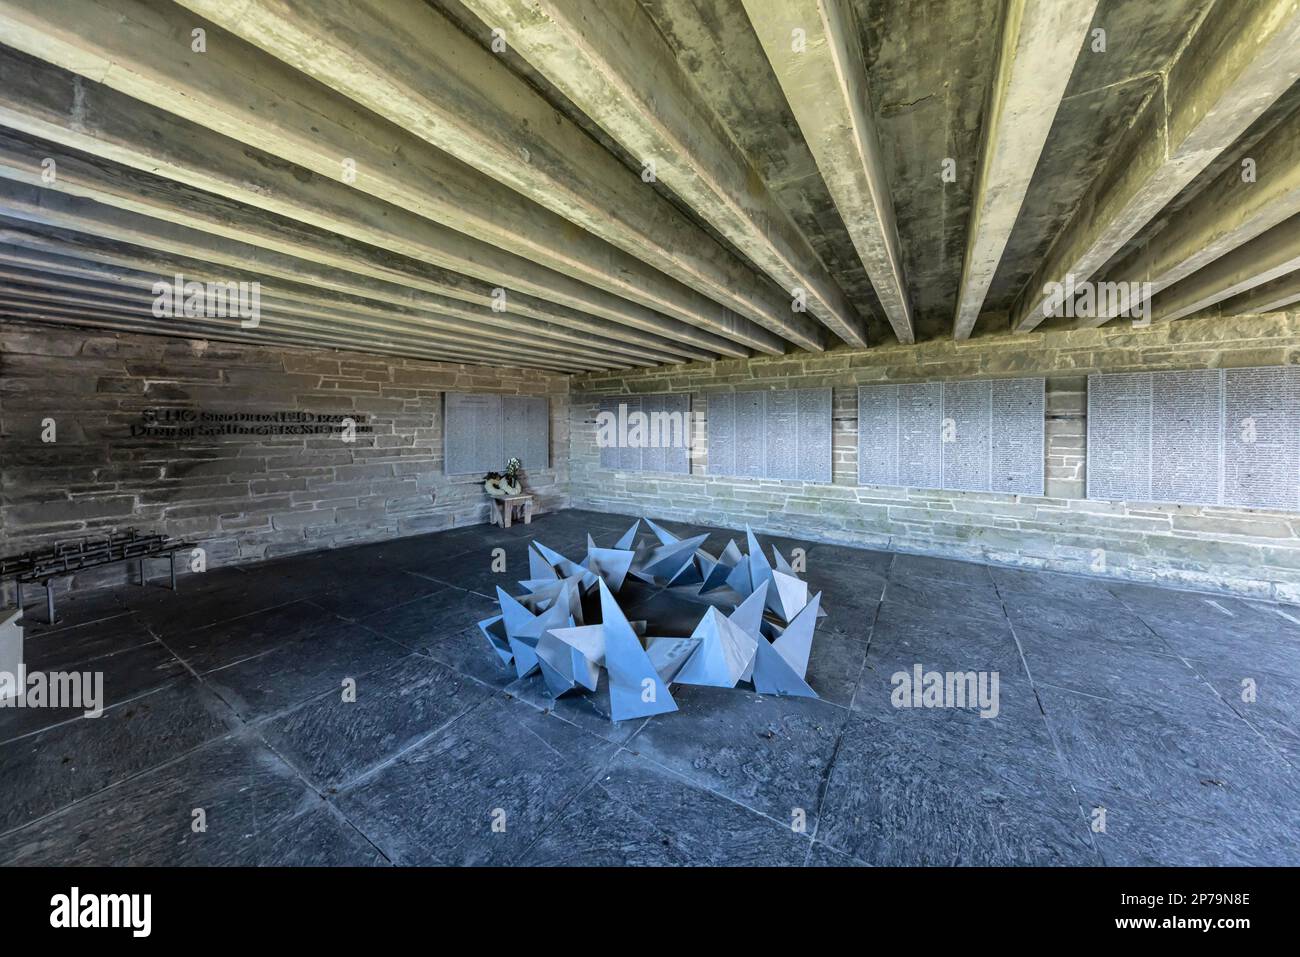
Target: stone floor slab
[[51, 769], [331, 740], [121, 677], [893, 803], [290, 674], [485, 787], [242, 790], [907, 566], [641, 814], [1132, 701], [769, 754]]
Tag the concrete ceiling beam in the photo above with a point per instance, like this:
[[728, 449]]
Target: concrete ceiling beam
[[45, 101], [1264, 259], [418, 70], [87, 318], [378, 298], [90, 261], [612, 62], [1266, 297], [1227, 213], [88, 201], [84, 318], [93, 317], [60, 272], [1040, 42], [143, 48], [277, 329], [1241, 58], [825, 83]]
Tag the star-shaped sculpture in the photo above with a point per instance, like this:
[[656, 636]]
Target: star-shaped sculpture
[[765, 639]]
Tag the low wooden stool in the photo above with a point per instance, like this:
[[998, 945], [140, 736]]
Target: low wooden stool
[[504, 509]]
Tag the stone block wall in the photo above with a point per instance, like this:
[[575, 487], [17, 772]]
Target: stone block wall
[[1218, 549], [243, 497]]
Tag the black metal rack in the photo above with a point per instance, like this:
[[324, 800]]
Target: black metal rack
[[66, 558]]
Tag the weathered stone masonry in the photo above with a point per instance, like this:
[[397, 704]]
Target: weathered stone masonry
[[249, 498], [1221, 549], [244, 498]]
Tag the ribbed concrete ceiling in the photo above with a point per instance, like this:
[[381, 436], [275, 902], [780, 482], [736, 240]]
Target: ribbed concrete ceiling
[[579, 184]]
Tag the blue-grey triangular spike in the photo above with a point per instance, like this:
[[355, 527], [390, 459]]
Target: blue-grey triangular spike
[[665, 537], [760, 570], [556, 683], [667, 560], [518, 619], [748, 616], [537, 603], [779, 562], [787, 595], [635, 688], [587, 640], [795, 642], [688, 574], [538, 566], [563, 667], [772, 674], [568, 659], [525, 656], [629, 537], [723, 657], [571, 597], [717, 577], [611, 564], [495, 632], [550, 554], [567, 567], [738, 579], [669, 655], [522, 623], [540, 586]]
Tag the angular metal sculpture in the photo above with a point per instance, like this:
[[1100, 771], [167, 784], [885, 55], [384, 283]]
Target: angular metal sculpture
[[786, 595], [669, 655], [773, 675], [564, 667], [795, 641], [725, 655], [635, 688], [757, 626]]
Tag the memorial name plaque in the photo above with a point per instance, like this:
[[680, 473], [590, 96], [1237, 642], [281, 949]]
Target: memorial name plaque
[[1186, 438], [526, 430], [878, 435], [1119, 437], [481, 432], [652, 433], [966, 435], [975, 435], [1200, 437], [1017, 452], [920, 439], [783, 435]]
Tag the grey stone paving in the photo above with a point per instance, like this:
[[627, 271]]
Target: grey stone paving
[[1135, 725]]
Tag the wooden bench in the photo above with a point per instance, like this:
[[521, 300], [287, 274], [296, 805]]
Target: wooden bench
[[509, 507]]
